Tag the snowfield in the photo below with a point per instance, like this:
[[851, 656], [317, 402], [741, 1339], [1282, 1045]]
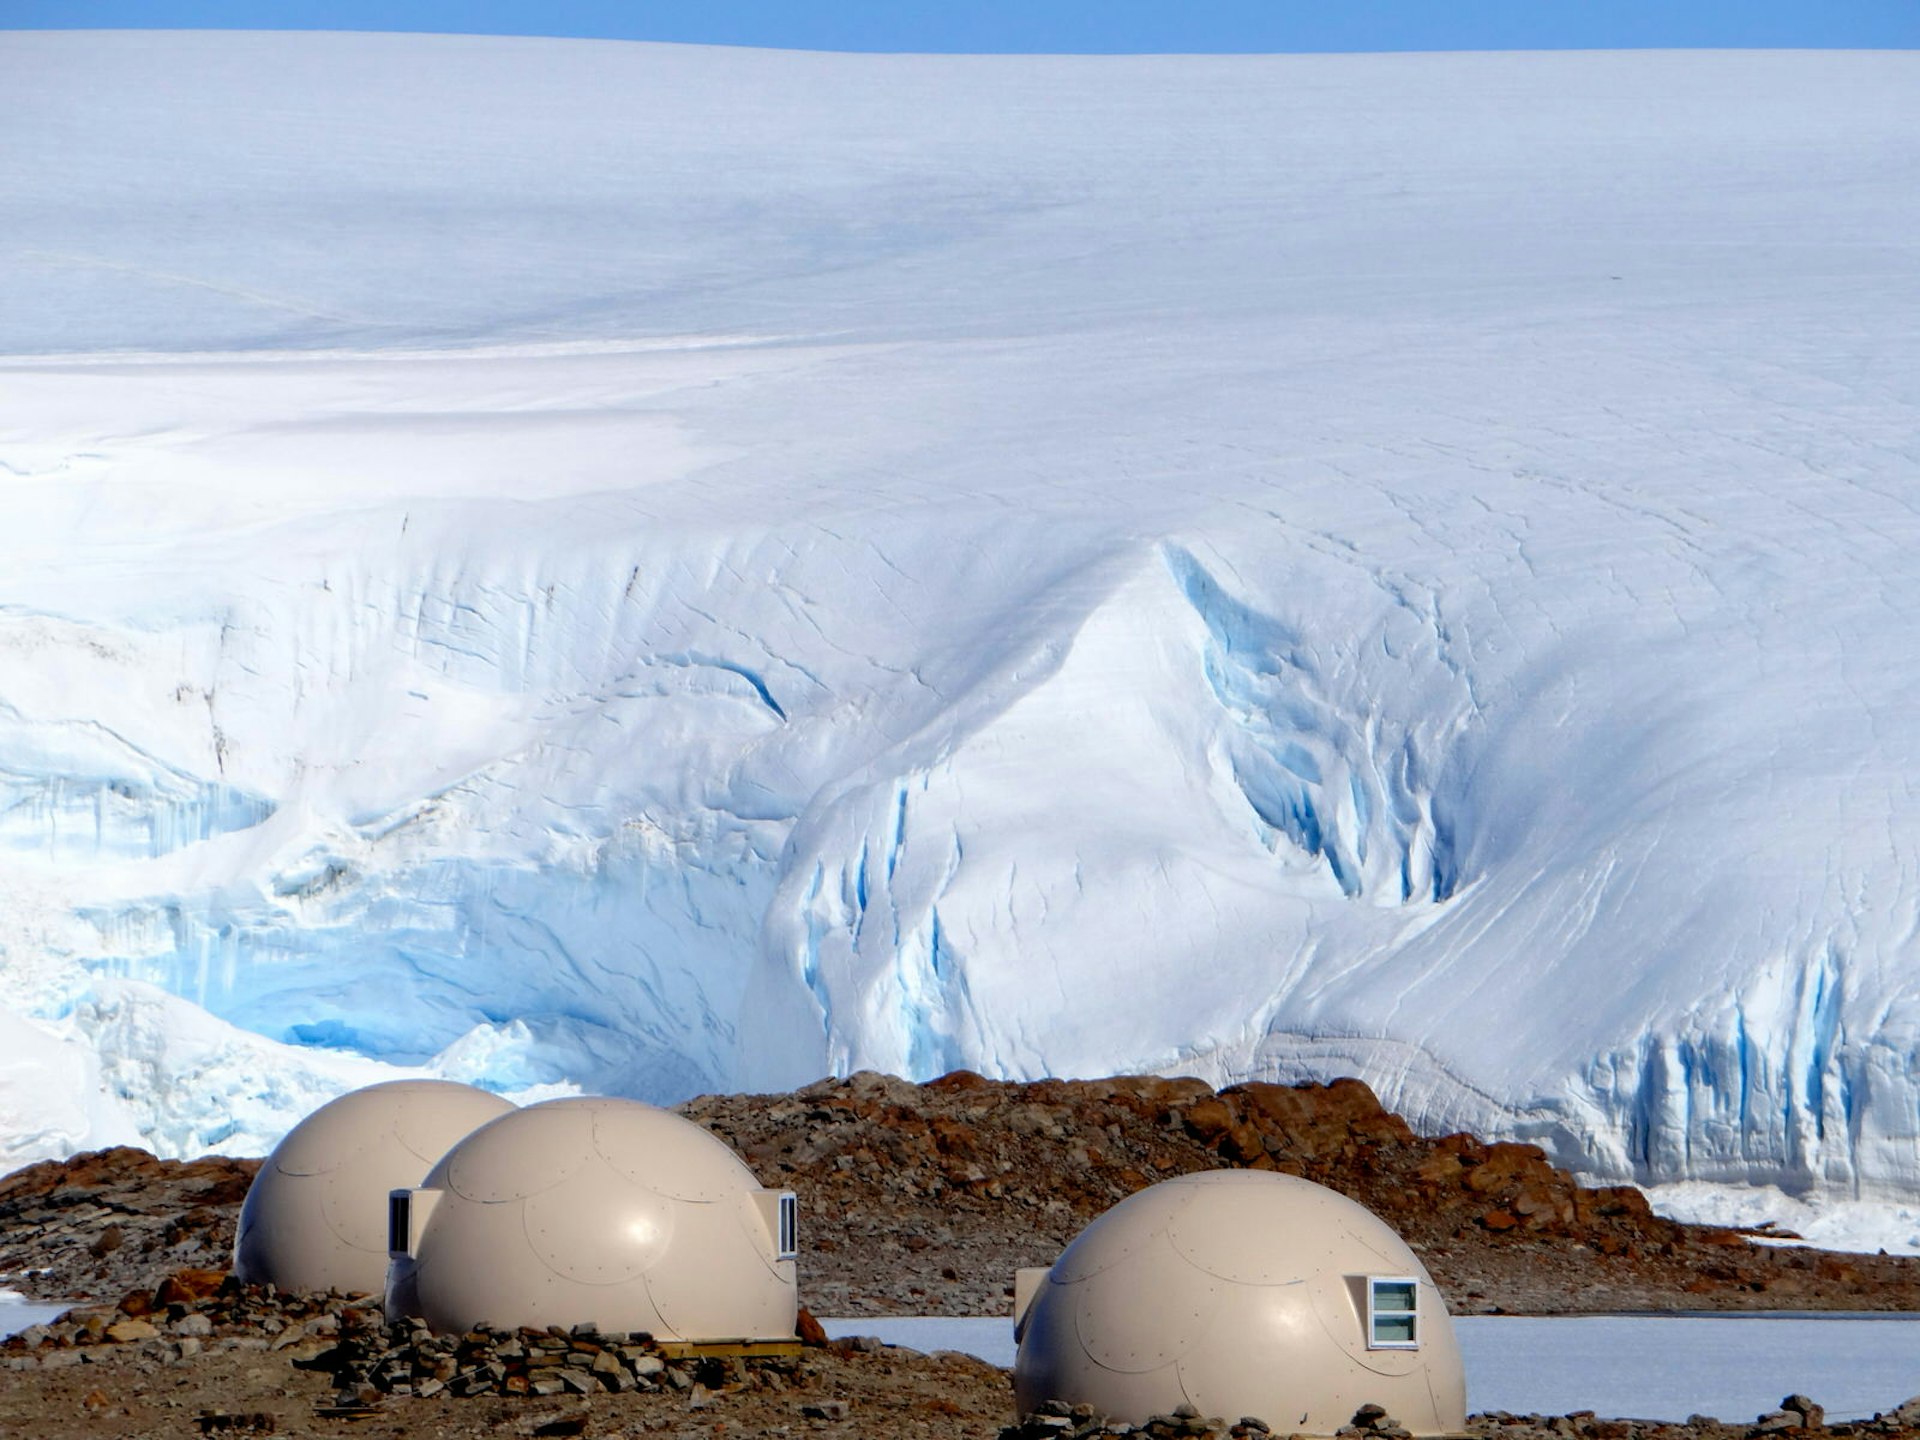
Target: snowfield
[[657, 569]]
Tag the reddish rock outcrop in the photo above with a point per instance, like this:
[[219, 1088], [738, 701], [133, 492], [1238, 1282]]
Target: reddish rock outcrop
[[926, 1198]]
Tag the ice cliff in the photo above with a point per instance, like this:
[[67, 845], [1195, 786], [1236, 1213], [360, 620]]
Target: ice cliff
[[658, 569]]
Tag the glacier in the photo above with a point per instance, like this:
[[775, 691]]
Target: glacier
[[654, 569]]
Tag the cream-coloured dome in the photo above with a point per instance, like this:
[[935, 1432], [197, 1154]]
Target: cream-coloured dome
[[597, 1211], [1241, 1292], [315, 1217]]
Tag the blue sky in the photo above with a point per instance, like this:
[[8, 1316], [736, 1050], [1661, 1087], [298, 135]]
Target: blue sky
[[1057, 25]]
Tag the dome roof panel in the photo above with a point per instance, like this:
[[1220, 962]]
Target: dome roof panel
[[1271, 1353], [521, 1154], [428, 1115], [441, 1113], [354, 1203], [1124, 1230], [1268, 1233], [668, 1153], [600, 1230], [1146, 1312], [279, 1217], [476, 1266], [322, 1142], [716, 1286]]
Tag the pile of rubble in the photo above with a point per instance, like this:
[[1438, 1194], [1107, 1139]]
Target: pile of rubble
[[348, 1338], [374, 1359], [1057, 1420], [1797, 1415], [188, 1312]]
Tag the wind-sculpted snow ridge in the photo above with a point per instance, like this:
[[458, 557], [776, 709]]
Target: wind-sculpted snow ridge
[[656, 570]]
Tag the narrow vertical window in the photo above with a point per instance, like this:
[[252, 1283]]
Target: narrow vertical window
[[789, 1226], [399, 1221], [1393, 1313]]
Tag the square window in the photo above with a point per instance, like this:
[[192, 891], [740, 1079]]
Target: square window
[[1393, 1313]]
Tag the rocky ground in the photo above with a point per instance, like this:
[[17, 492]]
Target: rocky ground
[[248, 1379], [924, 1199], [916, 1198], [111, 1221], [205, 1357]]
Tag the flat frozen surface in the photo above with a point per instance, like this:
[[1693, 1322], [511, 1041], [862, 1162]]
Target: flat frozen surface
[[17, 1312], [1667, 1368], [1644, 1367], [650, 569], [989, 1339]]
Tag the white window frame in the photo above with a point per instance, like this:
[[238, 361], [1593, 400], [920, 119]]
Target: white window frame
[[787, 1242], [1375, 1283]]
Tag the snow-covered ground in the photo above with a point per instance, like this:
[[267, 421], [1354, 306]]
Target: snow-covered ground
[[1821, 1219], [1647, 1367], [653, 569]]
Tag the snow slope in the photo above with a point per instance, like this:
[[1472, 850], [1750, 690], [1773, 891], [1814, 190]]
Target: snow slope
[[657, 569]]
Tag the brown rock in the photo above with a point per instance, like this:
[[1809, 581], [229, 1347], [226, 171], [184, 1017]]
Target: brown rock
[[1206, 1120], [137, 1304], [1507, 1164], [952, 1137], [1542, 1205], [1152, 1096], [1611, 1201], [1811, 1415], [1243, 1142], [86, 1171], [1837, 1271], [189, 1286]]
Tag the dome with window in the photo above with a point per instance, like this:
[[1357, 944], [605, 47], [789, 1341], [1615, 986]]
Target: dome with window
[[1240, 1292]]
